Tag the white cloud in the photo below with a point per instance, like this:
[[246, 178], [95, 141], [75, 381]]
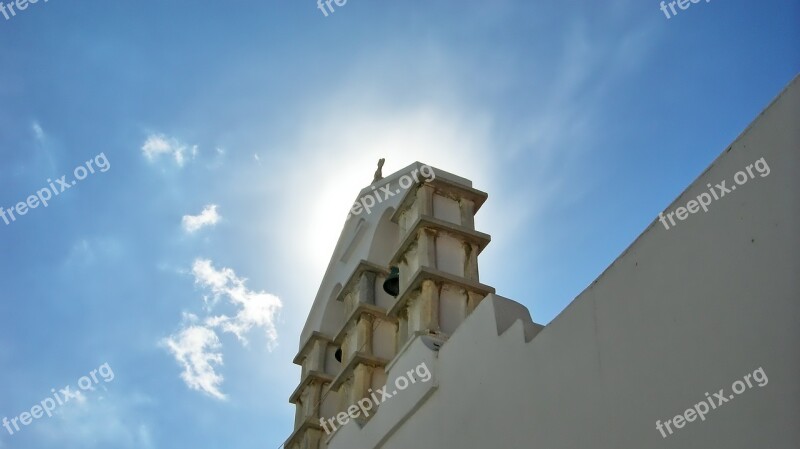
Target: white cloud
[[255, 309], [197, 348], [159, 144], [45, 148], [37, 131], [208, 217]]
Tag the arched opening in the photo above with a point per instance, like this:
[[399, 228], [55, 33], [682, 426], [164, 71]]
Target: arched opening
[[333, 316], [385, 239]]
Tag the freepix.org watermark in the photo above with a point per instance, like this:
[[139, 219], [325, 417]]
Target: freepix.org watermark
[[54, 189], [367, 202], [365, 405], [20, 5], [682, 4], [701, 409], [719, 191], [322, 4], [64, 395]]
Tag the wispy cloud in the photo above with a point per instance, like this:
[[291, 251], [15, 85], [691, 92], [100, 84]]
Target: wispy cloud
[[45, 148], [197, 347], [255, 309], [87, 251], [157, 145], [111, 421], [38, 132], [208, 217]]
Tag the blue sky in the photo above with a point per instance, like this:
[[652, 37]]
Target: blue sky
[[262, 120]]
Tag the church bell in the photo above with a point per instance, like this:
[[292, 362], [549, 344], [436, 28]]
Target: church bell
[[392, 283]]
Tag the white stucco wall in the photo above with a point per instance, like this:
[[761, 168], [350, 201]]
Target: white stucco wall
[[682, 312], [446, 209], [449, 255]]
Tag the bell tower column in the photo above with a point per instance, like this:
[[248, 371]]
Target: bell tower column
[[437, 258]]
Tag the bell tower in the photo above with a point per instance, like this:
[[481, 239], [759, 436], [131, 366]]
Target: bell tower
[[403, 269]]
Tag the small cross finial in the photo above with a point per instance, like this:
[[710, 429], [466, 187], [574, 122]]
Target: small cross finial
[[379, 171]]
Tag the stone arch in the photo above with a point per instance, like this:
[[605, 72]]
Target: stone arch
[[385, 239], [333, 316]]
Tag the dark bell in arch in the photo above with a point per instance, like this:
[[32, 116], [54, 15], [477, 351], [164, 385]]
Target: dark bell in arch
[[338, 355], [392, 283]]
